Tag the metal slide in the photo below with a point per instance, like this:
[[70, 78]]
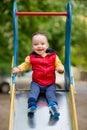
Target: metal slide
[[41, 119]]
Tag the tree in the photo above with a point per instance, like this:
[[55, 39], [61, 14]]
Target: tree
[[53, 26]]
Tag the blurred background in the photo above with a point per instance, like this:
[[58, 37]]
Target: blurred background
[[54, 27]]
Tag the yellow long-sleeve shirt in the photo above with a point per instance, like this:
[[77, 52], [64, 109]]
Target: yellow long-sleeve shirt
[[26, 65]]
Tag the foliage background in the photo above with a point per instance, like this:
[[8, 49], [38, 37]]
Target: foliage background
[[53, 26]]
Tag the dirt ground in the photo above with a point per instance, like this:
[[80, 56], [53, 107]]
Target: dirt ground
[[4, 111], [81, 106]]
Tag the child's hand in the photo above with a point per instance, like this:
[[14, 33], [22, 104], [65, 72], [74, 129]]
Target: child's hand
[[15, 70], [60, 69]]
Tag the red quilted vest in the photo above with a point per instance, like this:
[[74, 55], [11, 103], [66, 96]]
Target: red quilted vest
[[43, 69]]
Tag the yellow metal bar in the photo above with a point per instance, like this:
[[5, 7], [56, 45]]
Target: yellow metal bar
[[11, 107], [12, 65], [73, 109]]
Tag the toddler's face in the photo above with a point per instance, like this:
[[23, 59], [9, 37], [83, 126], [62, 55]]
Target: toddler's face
[[39, 44]]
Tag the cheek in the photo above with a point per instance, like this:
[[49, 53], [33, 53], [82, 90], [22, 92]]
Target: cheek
[[34, 48]]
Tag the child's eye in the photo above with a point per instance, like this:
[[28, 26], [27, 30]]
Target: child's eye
[[35, 44], [42, 43]]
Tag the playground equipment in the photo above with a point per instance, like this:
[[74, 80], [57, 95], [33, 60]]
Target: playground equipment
[[42, 120]]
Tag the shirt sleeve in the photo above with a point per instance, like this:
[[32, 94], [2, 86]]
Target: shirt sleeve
[[58, 62], [25, 65]]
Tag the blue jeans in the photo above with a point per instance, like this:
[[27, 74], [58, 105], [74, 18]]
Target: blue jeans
[[36, 89]]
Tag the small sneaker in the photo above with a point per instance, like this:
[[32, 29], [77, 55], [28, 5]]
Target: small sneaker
[[32, 109], [54, 110]]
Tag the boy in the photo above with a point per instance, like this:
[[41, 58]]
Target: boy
[[44, 62]]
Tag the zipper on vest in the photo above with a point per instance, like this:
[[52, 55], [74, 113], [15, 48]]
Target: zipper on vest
[[44, 68]]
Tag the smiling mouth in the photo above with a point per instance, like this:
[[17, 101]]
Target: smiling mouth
[[39, 50]]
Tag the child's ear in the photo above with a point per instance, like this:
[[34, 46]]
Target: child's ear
[[48, 45]]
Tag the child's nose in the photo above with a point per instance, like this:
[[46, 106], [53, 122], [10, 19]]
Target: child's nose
[[39, 45]]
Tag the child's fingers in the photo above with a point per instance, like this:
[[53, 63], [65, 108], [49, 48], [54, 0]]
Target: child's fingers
[[15, 70]]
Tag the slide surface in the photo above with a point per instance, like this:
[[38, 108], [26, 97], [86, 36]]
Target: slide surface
[[41, 119]]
